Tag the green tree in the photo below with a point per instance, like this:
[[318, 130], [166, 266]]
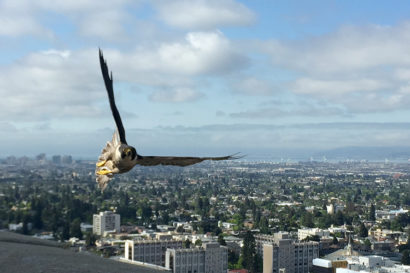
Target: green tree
[[372, 213], [248, 253], [180, 229], [232, 259], [75, 229], [264, 225], [199, 205], [307, 220], [314, 238], [405, 258], [221, 240], [367, 244], [403, 219], [90, 239], [335, 241], [339, 218], [37, 221], [363, 232], [325, 221], [198, 242], [217, 231], [258, 263], [395, 225], [25, 225], [187, 243], [146, 213], [165, 218], [65, 234]]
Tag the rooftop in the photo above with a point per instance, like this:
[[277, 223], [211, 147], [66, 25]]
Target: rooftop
[[19, 253]]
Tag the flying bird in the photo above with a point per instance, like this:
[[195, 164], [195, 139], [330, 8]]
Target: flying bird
[[119, 157]]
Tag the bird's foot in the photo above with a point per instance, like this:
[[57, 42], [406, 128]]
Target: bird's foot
[[104, 172], [101, 163]]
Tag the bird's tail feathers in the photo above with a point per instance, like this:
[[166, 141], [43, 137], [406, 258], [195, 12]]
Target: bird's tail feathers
[[102, 181]]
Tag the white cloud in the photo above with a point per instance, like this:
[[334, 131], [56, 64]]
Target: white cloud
[[201, 53], [277, 112], [252, 86], [204, 14], [106, 24], [183, 94], [334, 88], [7, 128], [93, 18], [50, 84], [20, 25], [79, 5], [61, 84], [198, 54], [220, 113], [363, 68], [114, 20], [350, 49]]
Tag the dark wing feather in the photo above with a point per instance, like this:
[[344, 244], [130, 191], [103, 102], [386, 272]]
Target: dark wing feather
[[110, 91], [178, 161]]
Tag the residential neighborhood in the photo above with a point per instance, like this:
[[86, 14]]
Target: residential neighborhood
[[266, 217]]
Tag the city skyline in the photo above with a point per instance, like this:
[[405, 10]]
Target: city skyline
[[232, 76], [274, 215]]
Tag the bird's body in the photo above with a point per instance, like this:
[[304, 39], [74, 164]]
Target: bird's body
[[119, 157], [116, 157]]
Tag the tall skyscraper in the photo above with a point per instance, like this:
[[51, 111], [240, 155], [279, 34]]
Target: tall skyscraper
[[67, 159], [56, 159]]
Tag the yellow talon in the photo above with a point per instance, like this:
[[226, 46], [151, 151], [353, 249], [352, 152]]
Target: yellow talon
[[104, 172], [101, 163]]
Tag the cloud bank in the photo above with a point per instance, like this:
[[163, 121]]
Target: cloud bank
[[363, 68]]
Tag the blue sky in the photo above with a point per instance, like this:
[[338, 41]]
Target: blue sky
[[204, 77]]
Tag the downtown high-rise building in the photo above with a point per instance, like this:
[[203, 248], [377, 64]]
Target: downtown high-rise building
[[56, 159]]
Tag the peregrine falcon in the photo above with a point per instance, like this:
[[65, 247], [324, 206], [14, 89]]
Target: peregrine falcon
[[119, 157]]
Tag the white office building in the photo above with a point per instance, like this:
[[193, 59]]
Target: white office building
[[106, 221], [389, 215], [149, 251], [303, 233]]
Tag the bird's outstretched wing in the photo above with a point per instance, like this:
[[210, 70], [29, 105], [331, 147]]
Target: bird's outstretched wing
[[178, 161], [110, 92]]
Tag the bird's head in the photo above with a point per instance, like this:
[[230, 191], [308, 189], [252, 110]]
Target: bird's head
[[129, 152]]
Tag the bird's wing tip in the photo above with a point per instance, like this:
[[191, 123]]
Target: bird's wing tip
[[235, 156]]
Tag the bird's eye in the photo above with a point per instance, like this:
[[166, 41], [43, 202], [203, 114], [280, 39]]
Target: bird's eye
[[122, 155]]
